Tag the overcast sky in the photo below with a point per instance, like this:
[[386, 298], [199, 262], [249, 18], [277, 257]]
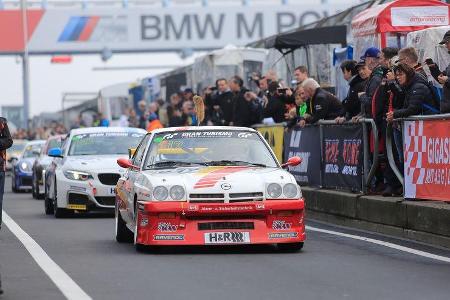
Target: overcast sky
[[48, 81]]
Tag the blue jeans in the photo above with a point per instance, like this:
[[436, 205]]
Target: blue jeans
[[2, 189]]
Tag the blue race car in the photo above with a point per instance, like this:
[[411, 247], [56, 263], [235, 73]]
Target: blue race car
[[22, 174]]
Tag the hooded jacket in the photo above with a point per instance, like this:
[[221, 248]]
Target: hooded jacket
[[324, 105], [351, 103], [5, 142]]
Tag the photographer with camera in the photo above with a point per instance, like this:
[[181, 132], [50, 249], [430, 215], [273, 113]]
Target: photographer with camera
[[219, 100], [247, 109], [442, 77]]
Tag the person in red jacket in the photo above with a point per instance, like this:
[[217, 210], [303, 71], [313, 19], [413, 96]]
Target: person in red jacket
[[153, 122]]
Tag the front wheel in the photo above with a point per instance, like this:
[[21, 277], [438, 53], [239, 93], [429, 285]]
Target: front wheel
[[123, 234], [290, 247], [34, 188], [48, 204], [59, 212], [13, 184]]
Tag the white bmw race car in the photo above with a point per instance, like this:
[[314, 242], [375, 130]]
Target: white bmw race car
[[83, 174], [208, 185]]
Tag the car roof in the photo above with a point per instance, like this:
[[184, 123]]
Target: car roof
[[36, 142], [106, 129], [203, 128]]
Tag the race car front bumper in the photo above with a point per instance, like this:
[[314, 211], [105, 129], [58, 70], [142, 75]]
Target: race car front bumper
[[23, 180], [184, 223]]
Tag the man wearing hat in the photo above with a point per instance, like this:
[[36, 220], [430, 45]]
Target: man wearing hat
[[372, 60], [443, 78]]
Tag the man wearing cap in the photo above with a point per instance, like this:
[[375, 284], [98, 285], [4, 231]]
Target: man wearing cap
[[443, 78], [372, 60]]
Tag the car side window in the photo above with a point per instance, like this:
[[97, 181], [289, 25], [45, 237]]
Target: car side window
[[137, 158]]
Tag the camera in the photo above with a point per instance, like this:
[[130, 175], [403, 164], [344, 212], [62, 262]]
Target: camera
[[281, 91]]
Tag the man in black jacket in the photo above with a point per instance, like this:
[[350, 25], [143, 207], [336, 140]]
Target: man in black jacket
[[372, 60], [322, 104], [5, 142], [442, 77], [246, 110], [222, 103], [351, 103]]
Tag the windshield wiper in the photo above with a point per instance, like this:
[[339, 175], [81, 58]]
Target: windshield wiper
[[233, 163], [170, 163]]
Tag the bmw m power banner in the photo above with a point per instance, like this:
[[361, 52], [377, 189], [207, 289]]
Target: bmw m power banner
[[342, 162], [305, 143], [426, 147]]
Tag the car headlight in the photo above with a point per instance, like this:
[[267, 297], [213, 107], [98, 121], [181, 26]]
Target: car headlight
[[290, 190], [177, 192], [24, 166], [160, 193], [274, 190], [77, 175]]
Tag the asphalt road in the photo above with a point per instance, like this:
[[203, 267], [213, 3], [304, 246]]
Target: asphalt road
[[329, 266]]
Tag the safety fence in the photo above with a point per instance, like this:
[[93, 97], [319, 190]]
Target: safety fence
[[345, 156], [333, 155], [426, 156]]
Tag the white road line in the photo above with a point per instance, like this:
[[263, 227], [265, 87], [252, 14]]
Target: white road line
[[382, 243], [64, 283]]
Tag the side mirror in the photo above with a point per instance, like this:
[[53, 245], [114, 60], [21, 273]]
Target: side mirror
[[55, 152], [125, 163], [131, 152], [292, 162]]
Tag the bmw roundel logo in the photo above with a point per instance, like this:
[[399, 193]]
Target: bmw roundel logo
[[225, 186]]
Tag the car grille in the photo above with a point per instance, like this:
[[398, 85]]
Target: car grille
[[246, 195], [225, 225], [110, 201], [206, 196], [108, 178], [26, 181], [79, 199]]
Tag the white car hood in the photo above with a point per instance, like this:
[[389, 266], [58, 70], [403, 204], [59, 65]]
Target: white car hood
[[206, 180], [93, 163]]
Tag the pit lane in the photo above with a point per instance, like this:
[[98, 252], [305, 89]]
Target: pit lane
[[329, 267]]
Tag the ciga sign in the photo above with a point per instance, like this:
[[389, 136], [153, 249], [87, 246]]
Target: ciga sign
[[91, 30]]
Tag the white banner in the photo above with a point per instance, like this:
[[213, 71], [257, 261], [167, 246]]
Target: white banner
[[420, 16], [167, 28]]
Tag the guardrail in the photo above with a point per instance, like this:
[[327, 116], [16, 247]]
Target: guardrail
[[273, 136], [426, 156], [368, 175]]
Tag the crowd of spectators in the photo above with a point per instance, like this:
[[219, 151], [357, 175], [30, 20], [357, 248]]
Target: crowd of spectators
[[39, 133]]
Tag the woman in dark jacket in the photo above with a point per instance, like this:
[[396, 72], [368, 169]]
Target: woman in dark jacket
[[417, 93]]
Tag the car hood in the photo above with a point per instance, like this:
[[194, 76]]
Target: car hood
[[229, 179], [93, 163]]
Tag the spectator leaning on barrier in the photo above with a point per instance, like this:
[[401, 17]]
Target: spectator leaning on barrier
[[351, 103], [300, 110], [322, 104], [246, 108], [442, 77], [275, 106], [371, 59]]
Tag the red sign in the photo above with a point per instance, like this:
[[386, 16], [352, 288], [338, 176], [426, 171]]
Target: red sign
[[427, 159]]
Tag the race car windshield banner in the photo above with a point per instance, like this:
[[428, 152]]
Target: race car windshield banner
[[305, 143], [342, 157], [427, 159]]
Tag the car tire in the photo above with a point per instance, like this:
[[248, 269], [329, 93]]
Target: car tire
[[13, 184], [34, 192], [290, 247], [59, 212], [123, 234], [48, 204]]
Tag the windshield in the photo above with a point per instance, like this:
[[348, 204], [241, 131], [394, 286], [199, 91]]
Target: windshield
[[32, 150], [53, 143], [17, 146], [104, 143], [212, 148]]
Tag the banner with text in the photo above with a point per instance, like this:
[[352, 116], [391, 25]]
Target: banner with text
[[342, 157], [305, 143], [427, 159]]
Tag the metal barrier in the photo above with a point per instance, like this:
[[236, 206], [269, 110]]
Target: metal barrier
[[368, 175], [389, 133]]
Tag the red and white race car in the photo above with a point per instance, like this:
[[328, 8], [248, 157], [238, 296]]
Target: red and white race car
[[208, 185]]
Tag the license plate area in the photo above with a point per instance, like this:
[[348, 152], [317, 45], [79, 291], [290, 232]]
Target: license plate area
[[227, 237]]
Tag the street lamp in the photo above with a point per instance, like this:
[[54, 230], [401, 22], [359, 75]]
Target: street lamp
[[25, 65]]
